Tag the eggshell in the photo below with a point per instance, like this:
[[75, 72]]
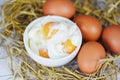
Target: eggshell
[[63, 8], [111, 38], [90, 27], [89, 56]]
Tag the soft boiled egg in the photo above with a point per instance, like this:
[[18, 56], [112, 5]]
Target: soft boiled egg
[[54, 37]]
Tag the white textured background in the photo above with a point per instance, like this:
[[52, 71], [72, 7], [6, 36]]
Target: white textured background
[[5, 72]]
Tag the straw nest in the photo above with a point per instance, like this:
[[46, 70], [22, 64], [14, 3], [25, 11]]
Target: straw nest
[[17, 14]]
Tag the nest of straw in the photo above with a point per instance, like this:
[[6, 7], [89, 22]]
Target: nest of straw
[[17, 14]]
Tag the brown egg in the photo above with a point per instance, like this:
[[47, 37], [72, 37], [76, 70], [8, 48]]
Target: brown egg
[[63, 8], [89, 56], [111, 38], [90, 27]]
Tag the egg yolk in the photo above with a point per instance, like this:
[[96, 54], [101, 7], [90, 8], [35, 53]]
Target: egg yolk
[[68, 46], [46, 30], [43, 53]]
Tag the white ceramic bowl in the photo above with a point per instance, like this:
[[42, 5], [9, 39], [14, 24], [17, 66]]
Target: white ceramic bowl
[[47, 61]]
